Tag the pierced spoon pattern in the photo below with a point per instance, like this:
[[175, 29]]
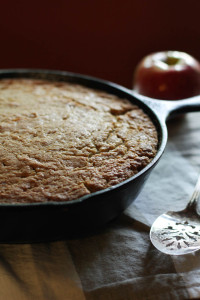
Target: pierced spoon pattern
[[178, 233]]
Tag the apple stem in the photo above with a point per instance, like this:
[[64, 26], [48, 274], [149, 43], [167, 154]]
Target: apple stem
[[171, 61]]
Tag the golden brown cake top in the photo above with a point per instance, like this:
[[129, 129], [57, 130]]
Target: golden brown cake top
[[60, 141]]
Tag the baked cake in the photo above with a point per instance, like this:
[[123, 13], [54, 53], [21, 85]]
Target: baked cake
[[60, 141]]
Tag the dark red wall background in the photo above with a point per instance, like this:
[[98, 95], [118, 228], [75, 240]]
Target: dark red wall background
[[103, 38]]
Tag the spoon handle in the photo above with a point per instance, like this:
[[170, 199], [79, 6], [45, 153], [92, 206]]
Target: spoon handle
[[192, 204]]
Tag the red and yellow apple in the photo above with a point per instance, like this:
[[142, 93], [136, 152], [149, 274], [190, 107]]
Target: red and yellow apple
[[169, 75]]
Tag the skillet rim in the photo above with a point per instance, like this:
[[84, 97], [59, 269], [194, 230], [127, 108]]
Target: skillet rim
[[95, 83]]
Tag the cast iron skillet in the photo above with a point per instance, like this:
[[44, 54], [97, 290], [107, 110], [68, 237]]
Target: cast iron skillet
[[53, 220]]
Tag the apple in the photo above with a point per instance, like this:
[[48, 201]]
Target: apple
[[169, 75]]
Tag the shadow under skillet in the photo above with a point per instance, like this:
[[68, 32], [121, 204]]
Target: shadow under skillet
[[57, 227]]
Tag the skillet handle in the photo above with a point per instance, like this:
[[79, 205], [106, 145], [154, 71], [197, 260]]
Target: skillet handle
[[167, 108]]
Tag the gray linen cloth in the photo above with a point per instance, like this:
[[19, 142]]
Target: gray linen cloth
[[119, 262]]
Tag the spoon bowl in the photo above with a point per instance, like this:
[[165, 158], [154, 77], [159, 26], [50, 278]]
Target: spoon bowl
[[178, 233]]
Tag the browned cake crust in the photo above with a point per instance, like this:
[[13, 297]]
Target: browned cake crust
[[61, 141]]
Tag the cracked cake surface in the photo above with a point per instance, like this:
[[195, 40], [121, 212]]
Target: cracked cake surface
[[60, 141]]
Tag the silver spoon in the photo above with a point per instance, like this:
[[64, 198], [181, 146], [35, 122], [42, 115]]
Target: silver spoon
[[178, 233]]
